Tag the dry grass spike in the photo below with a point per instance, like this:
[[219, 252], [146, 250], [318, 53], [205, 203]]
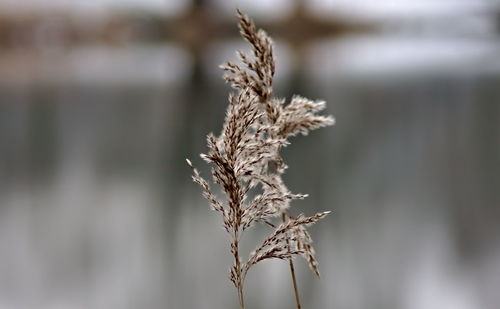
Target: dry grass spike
[[246, 157]]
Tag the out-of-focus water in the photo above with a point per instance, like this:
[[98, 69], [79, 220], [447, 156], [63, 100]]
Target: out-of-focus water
[[97, 209]]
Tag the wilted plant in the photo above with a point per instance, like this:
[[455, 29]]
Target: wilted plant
[[246, 158]]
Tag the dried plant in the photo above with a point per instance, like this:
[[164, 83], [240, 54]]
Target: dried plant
[[246, 158]]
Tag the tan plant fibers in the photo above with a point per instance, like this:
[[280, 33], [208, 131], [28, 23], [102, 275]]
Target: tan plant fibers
[[246, 157]]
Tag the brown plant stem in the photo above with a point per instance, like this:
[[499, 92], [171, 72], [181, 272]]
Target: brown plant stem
[[295, 287], [292, 272], [236, 202], [239, 274], [242, 301]]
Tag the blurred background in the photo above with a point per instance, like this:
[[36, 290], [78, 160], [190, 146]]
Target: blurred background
[[101, 101]]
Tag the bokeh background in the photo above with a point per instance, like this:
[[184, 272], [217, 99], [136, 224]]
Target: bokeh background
[[101, 101]]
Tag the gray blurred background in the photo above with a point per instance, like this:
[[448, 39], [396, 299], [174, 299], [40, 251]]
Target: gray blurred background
[[101, 101]]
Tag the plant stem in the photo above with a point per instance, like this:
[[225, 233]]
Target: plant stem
[[295, 287], [239, 275], [240, 294], [292, 272]]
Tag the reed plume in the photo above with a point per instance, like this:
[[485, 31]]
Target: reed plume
[[246, 158]]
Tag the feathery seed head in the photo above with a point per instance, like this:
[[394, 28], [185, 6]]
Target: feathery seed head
[[246, 157]]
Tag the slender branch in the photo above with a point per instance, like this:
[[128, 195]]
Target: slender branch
[[242, 301], [295, 287], [239, 273], [292, 271], [235, 248]]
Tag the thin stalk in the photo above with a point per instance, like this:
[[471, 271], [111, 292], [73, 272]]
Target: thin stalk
[[295, 287], [240, 295], [240, 282], [292, 272], [239, 275]]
